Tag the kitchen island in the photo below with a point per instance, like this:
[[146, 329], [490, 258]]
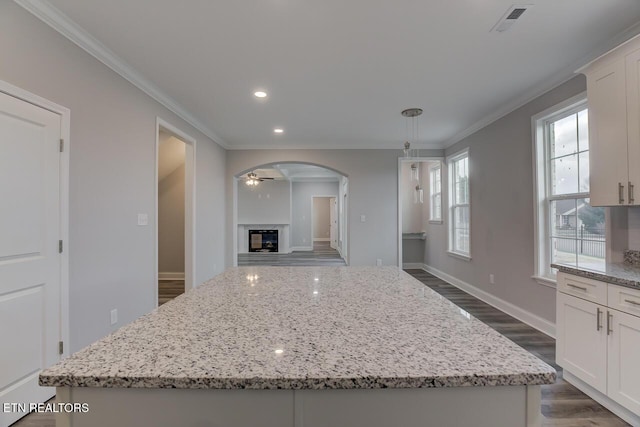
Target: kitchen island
[[304, 346]]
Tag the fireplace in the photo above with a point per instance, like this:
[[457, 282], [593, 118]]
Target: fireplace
[[263, 240]]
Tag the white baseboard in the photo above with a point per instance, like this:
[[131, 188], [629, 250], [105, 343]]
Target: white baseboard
[[525, 316], [301, 248], [602, 399], [171, 276], [321, 239], [413, 266]]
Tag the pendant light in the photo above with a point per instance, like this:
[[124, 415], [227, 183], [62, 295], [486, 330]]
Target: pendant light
[[413, 131]]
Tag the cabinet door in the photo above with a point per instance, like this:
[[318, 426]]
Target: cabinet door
[[581, 340], [606, 93], [633, 125], [624, 356]]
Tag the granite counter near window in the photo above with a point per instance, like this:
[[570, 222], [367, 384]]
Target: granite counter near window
[[324, 335], [626, 273]]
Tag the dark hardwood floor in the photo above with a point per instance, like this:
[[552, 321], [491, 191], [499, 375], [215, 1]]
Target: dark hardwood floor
[[322, 254], [562, 404], [169, 289]]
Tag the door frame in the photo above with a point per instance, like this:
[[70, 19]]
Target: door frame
[[65, 129], [402, 160], [190, 204]]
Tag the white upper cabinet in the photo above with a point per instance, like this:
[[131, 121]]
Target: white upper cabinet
[[613, 93]]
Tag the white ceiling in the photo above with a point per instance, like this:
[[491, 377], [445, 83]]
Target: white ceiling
[[339, 72]]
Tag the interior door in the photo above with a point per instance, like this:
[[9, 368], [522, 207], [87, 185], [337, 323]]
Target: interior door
[[333, 223], [29, 253]]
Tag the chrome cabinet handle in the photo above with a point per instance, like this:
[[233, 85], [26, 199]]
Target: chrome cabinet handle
[[632, 302], [577, 287], [631, 199], [598, 317], [620, 193], [609, 317]]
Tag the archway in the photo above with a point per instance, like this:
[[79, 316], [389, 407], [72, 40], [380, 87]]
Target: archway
[[273, 214]]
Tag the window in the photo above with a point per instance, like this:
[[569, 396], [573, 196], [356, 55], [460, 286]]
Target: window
[[569, 230], [459, 205], [435, 193]]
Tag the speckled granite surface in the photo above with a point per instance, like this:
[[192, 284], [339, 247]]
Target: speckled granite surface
[[632, 257], [617, 273], [303, 328]]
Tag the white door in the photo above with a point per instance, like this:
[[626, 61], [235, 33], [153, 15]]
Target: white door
[[29, 257], [333, 223], [624, 353], [581, 340]]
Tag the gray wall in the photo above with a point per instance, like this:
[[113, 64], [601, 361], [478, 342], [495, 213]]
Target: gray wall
[[301, 212], [171, 222], [112, 149], [267, 203], [373, 192], [501, 185]]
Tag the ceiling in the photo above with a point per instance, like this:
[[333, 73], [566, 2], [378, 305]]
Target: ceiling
[[338, 73]]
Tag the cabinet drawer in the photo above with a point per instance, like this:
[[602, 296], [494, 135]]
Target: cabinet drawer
[[581, 287], [624, 299]]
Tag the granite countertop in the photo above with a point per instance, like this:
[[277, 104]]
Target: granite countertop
[[303, 328], [623, 274]]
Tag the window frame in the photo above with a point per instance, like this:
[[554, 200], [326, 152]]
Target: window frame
[[433, 169], [543, 273], [451, 160]]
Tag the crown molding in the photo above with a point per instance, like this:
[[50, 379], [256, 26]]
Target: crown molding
[[332, 146], [566, 74], [61, 23]]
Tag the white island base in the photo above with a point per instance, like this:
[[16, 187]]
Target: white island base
[[513, 406]]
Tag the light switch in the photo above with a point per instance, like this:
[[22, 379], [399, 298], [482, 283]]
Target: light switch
[[143, 219], [363, 218]]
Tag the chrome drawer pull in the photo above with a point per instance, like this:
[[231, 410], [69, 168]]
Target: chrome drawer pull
[[577, 287], [632, 302], [631, 199], [620, 193], [598, 322], [609, 316]]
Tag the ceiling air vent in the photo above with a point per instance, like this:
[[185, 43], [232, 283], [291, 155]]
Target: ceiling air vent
[[510, 17]]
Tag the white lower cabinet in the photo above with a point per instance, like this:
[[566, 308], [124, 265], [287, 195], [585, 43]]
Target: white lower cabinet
[[623, 383], [581, 341], [596, 343]]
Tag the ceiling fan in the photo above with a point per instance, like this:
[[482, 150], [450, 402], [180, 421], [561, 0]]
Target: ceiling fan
[[253, 179]]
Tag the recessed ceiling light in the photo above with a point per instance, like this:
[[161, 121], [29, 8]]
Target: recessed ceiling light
[[260, 94], [278, 130]]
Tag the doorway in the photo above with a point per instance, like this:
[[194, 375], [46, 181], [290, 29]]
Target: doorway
[[34, 293], [324, 222], [175, 213], [419, 207]]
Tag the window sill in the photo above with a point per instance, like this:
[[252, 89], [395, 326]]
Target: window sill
[[459, 255], [545, 281], [435, 221]]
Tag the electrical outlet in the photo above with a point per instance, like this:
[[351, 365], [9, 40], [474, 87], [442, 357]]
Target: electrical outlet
[[363, 218], [492, 279], [114, 316], [379, 262]]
